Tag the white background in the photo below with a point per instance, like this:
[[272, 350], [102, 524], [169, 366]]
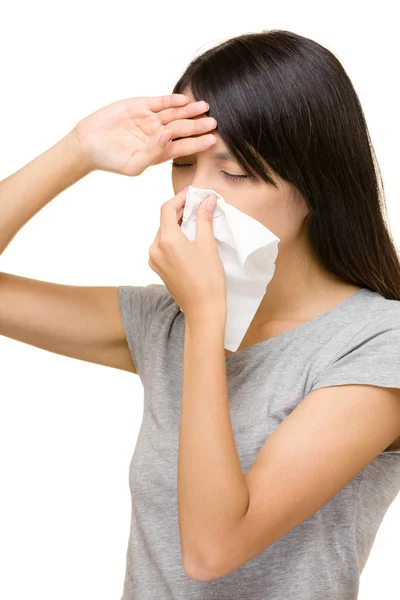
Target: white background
[[68, 428]]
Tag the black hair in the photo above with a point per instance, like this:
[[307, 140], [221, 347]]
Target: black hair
[[284, 104]]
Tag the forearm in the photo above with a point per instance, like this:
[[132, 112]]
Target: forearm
[[28, 190], [212, 491]]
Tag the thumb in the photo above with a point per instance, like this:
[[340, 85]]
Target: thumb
[[205, 217], [154, 151]]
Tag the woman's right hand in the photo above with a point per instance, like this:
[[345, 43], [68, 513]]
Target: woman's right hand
[[124, 137]]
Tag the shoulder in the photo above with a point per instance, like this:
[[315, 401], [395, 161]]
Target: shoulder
[[150, 298], [374, 319], [382, 325], [371, 353]]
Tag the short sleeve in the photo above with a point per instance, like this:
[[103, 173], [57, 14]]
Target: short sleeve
[[372, 356], [140, 307]]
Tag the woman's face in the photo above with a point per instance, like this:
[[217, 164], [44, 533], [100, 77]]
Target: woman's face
[[273, 207]]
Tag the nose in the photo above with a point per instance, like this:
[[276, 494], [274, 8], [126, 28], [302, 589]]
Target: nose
[[203, 185], [203, 179], [197, 183]]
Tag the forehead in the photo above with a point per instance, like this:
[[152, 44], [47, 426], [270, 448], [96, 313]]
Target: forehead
[[221, 152], [189, 94]]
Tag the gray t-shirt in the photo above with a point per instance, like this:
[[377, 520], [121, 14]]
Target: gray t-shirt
[[357, 341]]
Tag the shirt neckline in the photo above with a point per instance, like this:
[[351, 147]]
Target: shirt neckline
[[254, 348]]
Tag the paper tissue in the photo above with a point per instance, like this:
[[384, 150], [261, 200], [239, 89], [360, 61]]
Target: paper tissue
[[248, 251]]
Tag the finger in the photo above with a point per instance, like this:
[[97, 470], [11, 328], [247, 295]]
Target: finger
[[187, 146], [190, 127], [180, 216], [179, 129], [170, 210], [157, 237], [193, 109], [157, 103], [182, 141], [204, 221], [160, 149], [154, 152]]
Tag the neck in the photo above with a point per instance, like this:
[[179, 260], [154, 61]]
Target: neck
[[299, 290]]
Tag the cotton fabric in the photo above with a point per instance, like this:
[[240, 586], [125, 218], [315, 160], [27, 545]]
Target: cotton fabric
[[355, 342]]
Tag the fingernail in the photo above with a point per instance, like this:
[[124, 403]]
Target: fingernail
[[211, 202]]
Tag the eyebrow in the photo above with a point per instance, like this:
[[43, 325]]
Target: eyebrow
[[224, 155]]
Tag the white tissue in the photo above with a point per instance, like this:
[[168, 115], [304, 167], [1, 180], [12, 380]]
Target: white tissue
[[248, 251]]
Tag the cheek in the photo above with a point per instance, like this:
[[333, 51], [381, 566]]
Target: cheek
[[179, 182], [180, 174], [285, 225], [271, 212], [263, 209]]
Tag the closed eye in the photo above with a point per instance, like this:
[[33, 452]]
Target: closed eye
[[228, 175]]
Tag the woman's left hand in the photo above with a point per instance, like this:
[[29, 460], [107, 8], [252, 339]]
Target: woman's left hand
[[192, 271]]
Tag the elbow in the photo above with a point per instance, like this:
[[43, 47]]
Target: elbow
[[198, 572], [193, 572], [198, 569], [205, 568]]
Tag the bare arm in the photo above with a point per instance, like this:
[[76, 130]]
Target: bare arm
[[79, 322], [125, 138], [28, 190]]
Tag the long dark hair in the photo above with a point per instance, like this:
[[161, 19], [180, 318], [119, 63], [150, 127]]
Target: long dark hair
[[284, 104]]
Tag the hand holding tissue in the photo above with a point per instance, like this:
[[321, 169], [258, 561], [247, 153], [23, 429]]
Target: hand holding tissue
[[248, 251]]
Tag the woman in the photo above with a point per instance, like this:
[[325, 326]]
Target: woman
[[263, 473]]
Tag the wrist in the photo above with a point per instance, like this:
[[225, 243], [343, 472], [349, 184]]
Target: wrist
[[207, 319], [74, 149]]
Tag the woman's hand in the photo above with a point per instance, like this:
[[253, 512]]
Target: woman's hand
[[124, 137], [192, 271]]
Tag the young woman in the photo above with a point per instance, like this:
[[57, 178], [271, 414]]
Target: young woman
[[266, 472]]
